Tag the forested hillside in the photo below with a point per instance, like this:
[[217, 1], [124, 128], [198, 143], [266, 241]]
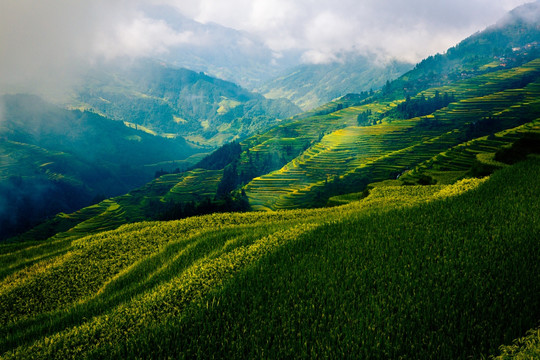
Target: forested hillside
[[170, 101], [55, 160]]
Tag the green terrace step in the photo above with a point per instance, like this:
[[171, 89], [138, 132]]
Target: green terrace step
[[461, 157], [132, 207], [159, 186], [109, 217], [489, 83], [383, 150], [335, 154], [195, 185]]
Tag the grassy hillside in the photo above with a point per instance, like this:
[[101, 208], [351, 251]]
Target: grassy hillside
[[397, 224], [328, 152], [384, 277]]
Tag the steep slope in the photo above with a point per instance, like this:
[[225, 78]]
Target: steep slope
[[512, 41], [173, 102], [311, 85], [57, 160]]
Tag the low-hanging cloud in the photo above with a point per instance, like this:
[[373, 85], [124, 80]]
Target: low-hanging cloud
[[47, 44], [409, 30], [140, 37]]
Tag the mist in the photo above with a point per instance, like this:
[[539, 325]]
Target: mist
[[47, 45]]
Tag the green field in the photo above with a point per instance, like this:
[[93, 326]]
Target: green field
[[388, 276]]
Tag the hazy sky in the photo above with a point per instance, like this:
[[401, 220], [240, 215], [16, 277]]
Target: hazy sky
[[410, 29], [49, 41]]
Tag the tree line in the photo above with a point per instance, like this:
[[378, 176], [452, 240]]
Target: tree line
[[420, 106]]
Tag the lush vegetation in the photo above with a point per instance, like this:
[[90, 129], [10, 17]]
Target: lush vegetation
[[527, 347], [407, 226], [344, 157], [421, 106], [312, 157], [388, 276]]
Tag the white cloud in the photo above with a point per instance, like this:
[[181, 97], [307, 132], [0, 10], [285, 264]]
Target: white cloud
[[410, 29], [319, 57], [140, 37], [46, 43]]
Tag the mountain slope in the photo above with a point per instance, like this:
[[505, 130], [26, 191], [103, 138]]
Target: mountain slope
[[513, 41], [311, 85], [304, 163], [179, 102], [356, 154]]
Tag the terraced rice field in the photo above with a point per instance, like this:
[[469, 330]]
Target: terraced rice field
[[295, 137], [195, 185], [388, 149], [335, 154], [460, 159], [13, 154], [132, 207], [490, 83]]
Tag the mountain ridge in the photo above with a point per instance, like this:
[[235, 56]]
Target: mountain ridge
[[312, 85], [180, 102]]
